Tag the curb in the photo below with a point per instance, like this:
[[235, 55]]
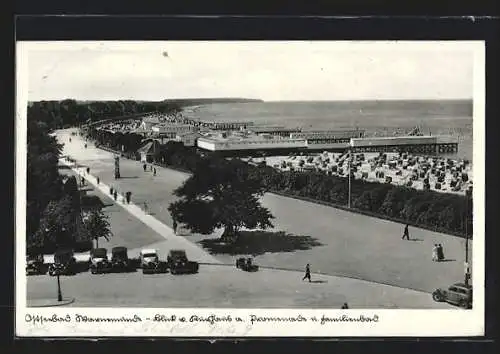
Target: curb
[[331, 205], [135, 210], [54, 303], [325, 275]]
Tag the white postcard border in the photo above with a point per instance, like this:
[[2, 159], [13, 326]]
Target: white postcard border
[[347, 322]]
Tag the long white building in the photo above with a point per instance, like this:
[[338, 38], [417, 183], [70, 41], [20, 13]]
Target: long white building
[[216, 143]]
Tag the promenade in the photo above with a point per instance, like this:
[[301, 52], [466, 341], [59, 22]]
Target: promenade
[[333, 241]]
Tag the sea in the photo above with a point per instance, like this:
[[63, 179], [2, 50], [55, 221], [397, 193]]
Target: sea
[[377, 118]]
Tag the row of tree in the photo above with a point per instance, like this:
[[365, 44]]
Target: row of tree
[[447, 212], [55, 217], [66, 113], [450, 213]]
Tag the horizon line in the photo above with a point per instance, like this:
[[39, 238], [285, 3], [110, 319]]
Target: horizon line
[[256, 99]]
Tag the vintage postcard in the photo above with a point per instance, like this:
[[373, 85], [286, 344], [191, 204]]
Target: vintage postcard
[[250, 189]]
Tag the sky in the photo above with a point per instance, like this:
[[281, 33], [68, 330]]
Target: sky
[[271, 71]]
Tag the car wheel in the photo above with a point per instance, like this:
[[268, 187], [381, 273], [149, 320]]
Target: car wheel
[[437, 297], [463, 304]]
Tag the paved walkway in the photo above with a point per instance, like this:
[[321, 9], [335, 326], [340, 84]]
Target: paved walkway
[[227, 287], [333, 241], [49, 302], [174, 242]]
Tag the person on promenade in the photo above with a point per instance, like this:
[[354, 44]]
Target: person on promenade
[[98, 180], [145, 207], [144, 167], [70, 140], [154, 171], [435, 253], [115, 194], [85, 145], [174, 225], [127, 196], [308, 273], [88, 170], [82, 181], [440, 253], [406, 234], [345, 306], [111, 190]]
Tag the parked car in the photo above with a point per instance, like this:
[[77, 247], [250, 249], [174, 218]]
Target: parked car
[[246, 264], [120, 261], [458, 294], [64, 263], [35, 265], [99, 262], [150, 262], [178, 263]]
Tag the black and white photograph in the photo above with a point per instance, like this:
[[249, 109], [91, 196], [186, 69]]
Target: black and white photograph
[[250, 188]]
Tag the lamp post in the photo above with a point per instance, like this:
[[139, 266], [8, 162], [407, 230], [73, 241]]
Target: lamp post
[[59, 294], [349, 171], [467, 206]]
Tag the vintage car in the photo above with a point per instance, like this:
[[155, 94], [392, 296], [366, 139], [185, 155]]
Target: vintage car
[[64, 263], [150, 262], [178, 263], [120, 261], [246, 264], [35, 265], [458, 294], [99, 262]]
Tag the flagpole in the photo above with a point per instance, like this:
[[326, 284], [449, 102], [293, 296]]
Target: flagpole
[[349, 168]]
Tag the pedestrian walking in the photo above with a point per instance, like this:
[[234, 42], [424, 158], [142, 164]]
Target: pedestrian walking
[[174, 225], [145, 207], [127, 196], [144, 167], [111, 190], [440, 252], [154, 171], [88, 170], [435, 253], [70, 140], [82, 181], [345, 306], [406, 234], [115, 195], [85, 146], [308, 273]]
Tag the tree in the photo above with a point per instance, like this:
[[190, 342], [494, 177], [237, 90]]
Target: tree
[[221, 194], [56, 226], [96, 225], [43, 179]]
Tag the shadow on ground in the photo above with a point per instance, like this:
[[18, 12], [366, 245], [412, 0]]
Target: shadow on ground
[[92, 201], [259, 242]]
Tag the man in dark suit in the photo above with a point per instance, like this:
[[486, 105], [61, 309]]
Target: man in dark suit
[[308, 273], [406, 234]]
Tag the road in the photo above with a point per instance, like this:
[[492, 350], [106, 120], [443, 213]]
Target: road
[[333, 241], [226, 287]]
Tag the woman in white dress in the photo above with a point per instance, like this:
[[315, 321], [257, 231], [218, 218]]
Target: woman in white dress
[[434, 253]]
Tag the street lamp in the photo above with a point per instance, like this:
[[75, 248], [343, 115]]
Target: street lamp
[[349, 171], [59, 294], [468, 195]]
